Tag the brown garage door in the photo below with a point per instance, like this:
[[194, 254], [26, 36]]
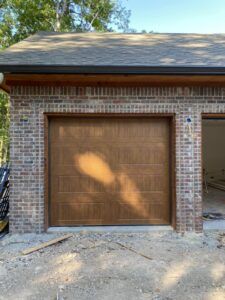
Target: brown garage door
[[111, 170]]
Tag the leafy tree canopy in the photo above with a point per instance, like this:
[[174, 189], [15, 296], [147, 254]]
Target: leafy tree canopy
[[4, 128], [21, 18]]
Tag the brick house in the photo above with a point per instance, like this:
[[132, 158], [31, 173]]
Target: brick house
[[106, 129]]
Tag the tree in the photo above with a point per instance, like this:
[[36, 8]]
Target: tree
[[4, 128], [21, 18]]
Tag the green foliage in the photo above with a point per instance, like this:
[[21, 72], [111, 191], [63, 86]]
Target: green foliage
[[21, 18], [4, 128]]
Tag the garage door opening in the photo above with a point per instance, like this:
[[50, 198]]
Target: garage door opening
[[109, 170], [213, 146]]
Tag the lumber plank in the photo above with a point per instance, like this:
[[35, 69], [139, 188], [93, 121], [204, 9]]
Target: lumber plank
[[111, 80], [46, 244], [134, 251], [3, 224]]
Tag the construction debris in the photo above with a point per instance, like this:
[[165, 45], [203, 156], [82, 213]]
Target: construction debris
[[46, 244], [134, 251], [4, 200], [213, 216], [182, 267], [221, 240], [3, 224]]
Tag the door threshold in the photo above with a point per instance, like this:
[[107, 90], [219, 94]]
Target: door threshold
[[103, 229]]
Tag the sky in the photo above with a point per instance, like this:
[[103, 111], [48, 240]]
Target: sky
[[193, 16]]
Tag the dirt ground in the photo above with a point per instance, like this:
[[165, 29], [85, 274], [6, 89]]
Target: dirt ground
[[97, 266]]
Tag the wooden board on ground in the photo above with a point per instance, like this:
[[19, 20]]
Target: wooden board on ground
[[134, 251], [46, 244], [218, 184], [3, 224]]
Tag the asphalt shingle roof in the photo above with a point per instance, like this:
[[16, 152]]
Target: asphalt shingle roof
[[114, 49]]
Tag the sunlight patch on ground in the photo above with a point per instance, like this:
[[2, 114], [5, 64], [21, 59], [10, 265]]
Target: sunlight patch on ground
[[218, 271], [65, 267], [175, 273], [215, 296]]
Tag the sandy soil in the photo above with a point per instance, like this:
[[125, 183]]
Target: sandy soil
[[94, 266]]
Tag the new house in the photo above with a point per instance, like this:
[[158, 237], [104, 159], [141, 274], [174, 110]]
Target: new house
[[115, 129]]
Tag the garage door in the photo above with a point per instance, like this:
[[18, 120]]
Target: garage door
[[110, 170]]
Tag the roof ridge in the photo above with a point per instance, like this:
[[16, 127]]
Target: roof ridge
[[127, 33]]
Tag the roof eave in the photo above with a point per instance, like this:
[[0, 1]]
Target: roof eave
[[132, 70]]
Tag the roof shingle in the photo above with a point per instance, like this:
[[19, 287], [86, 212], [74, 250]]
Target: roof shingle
[[114, 49]]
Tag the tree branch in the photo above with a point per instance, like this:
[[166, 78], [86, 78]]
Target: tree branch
[[94, 18]]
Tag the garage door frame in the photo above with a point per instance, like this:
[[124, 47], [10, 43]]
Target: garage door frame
[[170, 117]]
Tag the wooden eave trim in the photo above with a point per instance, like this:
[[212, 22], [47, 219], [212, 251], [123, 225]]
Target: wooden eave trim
[[4, 87], [113, 80]]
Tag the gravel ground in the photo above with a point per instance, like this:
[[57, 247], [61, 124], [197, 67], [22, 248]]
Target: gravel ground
[[97, 266]]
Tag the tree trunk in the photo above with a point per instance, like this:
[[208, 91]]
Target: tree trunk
[[57, 23]]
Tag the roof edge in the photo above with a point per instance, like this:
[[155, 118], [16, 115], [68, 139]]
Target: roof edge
[[132, 70]]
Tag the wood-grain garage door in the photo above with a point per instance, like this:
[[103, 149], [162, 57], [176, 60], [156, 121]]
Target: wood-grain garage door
[[111, 170]]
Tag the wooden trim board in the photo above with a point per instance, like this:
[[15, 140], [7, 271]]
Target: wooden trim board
[[112, 80]]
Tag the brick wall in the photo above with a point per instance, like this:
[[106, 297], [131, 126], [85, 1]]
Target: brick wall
[[27, 140]]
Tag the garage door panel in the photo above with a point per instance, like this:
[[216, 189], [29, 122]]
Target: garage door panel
[[72, 155], [81, 212], [69, 184], [138, 183], [129, 169], [71, 198], [121, 155], [67, 129], [141, 169], [150, 212], [109, 171], [121, 183], [77, 197], [140, 155], [105, 127], [67, 142]]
